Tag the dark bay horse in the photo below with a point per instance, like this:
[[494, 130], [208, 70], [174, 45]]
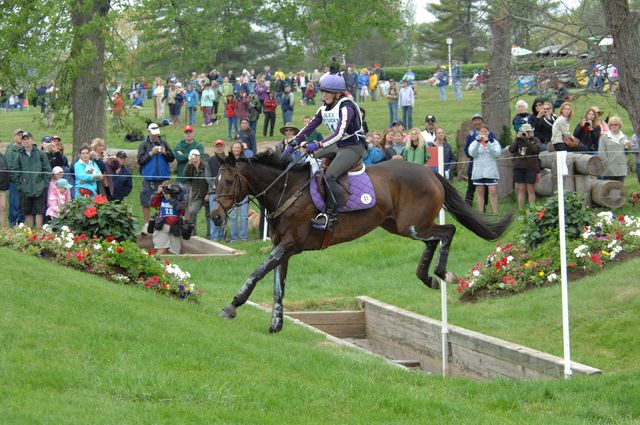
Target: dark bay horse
[[408, 199]]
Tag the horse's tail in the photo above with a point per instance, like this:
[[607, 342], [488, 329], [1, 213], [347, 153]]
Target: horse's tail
[[469, 217]]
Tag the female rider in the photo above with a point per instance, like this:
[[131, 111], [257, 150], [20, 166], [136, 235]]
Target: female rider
[[346, 144]]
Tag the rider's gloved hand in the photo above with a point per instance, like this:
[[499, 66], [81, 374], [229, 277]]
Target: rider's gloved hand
[[288, 150], [312, 147]]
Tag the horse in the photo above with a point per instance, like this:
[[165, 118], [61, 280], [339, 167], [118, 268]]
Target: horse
[[408, 199]]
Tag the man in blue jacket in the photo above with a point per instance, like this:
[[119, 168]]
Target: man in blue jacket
[[154, 157], [121, 180]]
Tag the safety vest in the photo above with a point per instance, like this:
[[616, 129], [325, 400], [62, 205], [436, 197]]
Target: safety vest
[[330, 117]]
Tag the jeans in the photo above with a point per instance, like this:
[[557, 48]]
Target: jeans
[[231, 121], [244, 221], [638, 171], [194, 208], [269, 122], [457, 90], [215, 232], [443, 94], [15, 215], [253, 125], [206, 112], [191, 114], [393, 112], [287, 116], [407, 116]]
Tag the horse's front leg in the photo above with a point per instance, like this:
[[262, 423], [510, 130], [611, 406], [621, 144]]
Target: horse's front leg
[[277, 312], [278, 255]]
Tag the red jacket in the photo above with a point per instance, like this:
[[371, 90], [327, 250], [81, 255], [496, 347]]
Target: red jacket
[[270, 105], [230, 109]]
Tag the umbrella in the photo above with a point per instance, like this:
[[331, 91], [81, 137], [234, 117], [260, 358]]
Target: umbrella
[[520, 51], [556, 50]]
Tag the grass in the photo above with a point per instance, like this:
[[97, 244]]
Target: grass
[[78, 350]]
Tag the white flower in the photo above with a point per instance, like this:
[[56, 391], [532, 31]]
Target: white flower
[[46, 227], [20, 226], [69, 244], [97, 246], [476, 272], [607, 216], [578, 251], [110, 249], [509, 258], [64, 228], [552, 277], [498, 249], [635, 233]]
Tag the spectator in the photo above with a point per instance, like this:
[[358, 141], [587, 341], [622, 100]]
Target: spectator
[[485, 150], [456, 78], [168, 198], [174, 100], [415, 150], [154, 157], [118, 110], [56, 154], [635, 148], [137, 102], [289, 131], [269, 107], [562, 95], [56, 174], [429, 133], [363, 85], [242, 106], [387, 140], [5, 179], [392, 101], [59, 196], [588, 132], [181, 154], [477, 121], [351, 80], [248, 138], [158, 99], [373, 85], [409, 76], [309, 95], [191, 100], [12, 154], [30, 173], [87, 174], [613, 151], [561, 138], [255, 108], [199, 189], [315, 136], [230, 113], [522, 116], [122, 182], [442, 77], [543, 124], [262, 90], [447, 154], [211, 173], [334, 67], [406, 100], [396, 150], [206, 102], [525, 149], [375, 151], [98, 155], [381, 77], [288, 101], [241, 210]]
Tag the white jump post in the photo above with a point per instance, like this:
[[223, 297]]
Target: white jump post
[[265, 229], [443, 285], [561, 163]]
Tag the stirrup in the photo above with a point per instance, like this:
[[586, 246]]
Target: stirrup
[[324, 221]]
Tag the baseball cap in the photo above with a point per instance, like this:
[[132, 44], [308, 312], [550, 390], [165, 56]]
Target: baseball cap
[[46, 139], [57, 170], [479, 116], [153, 128], [187, 128], [430, 118], [63, 183], [17, 130], [54, 137], [526, 127], [26, 135], [398, 122], [121, 154], [219, 142], [194, 152]]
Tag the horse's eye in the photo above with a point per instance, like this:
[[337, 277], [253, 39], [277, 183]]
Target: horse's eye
[[228, 181]]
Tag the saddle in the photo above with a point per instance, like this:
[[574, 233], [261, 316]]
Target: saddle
[[355, 189]]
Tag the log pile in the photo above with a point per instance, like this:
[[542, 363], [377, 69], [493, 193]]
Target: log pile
[[582, 178]]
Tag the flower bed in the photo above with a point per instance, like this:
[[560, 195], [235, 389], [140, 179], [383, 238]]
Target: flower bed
[[121, 262], [512, 268]]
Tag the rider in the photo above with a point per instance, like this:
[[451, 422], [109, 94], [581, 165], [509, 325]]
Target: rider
[[346, 144]]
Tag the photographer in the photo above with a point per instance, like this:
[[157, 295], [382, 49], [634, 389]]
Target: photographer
[[166, 234], [525, 149], [198, 195], [484, 150], [588, 133], [154, 157]]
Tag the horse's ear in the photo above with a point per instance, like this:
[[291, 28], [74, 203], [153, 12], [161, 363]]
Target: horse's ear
[[231, 159], [221, 158]]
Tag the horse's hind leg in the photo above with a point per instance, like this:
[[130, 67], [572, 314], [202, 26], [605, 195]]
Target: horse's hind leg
[[438, 233], [446, 232], [425, 262], [277, 312]]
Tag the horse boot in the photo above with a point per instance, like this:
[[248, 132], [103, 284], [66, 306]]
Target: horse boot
[[328, 218]]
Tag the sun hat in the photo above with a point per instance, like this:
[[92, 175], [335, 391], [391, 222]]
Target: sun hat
[[289, 125], [154, 128], [63, 183]]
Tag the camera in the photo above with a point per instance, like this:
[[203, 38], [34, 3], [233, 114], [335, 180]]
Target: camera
[[170, 190], [587, 123]]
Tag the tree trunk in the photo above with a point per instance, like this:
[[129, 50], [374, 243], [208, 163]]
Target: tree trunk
[[88, 18], [622, 26], [495, 97]]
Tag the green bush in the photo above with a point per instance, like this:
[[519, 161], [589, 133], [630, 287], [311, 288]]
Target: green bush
[[97, 217]]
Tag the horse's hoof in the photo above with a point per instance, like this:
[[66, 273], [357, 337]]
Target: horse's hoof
[[431, 282], [451, 278], [228, 312], [275, 328]]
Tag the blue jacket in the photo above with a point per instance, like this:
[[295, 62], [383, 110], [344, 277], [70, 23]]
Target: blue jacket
[[363, 80], [154, 167], [191, 98], [373, 156], [122, 183], [470, 138]]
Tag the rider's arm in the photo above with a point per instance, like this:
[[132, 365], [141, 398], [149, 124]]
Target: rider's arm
[[345, 116], [308, 129]]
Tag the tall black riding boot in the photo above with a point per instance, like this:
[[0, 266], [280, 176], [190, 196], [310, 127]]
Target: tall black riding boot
[[328, 218]]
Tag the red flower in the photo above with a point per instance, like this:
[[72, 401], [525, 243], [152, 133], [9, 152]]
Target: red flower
[[155, 279], [79, 257], [167, 262], [504, 261], [618, 236], [459, 289], [151, 252], [541, 215], [100, 199], [33, 238], [148, 285], [119, 250], [83, 237], [90, 212], [164, 286], [572, 264], [109, 239], [621, 218], [498, 265], [595, 258]]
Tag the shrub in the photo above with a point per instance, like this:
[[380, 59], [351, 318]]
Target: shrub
[[98, 217]]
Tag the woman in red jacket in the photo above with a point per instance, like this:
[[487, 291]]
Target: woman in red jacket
[[269, 107], [230, 112]]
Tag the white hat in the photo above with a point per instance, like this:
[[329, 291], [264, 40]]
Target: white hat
[[194, 152], [154, 128]]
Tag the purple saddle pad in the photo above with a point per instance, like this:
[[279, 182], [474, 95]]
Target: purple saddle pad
[[361, 192]]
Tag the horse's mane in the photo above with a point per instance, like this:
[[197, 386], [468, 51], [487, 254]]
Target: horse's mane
[[275, 159]]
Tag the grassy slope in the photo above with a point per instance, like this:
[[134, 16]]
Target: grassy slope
[[75, 349]]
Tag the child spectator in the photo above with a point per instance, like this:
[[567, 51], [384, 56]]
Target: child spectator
[[121, 179], [57, 198]]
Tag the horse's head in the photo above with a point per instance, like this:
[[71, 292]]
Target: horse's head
[[231, 187]]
